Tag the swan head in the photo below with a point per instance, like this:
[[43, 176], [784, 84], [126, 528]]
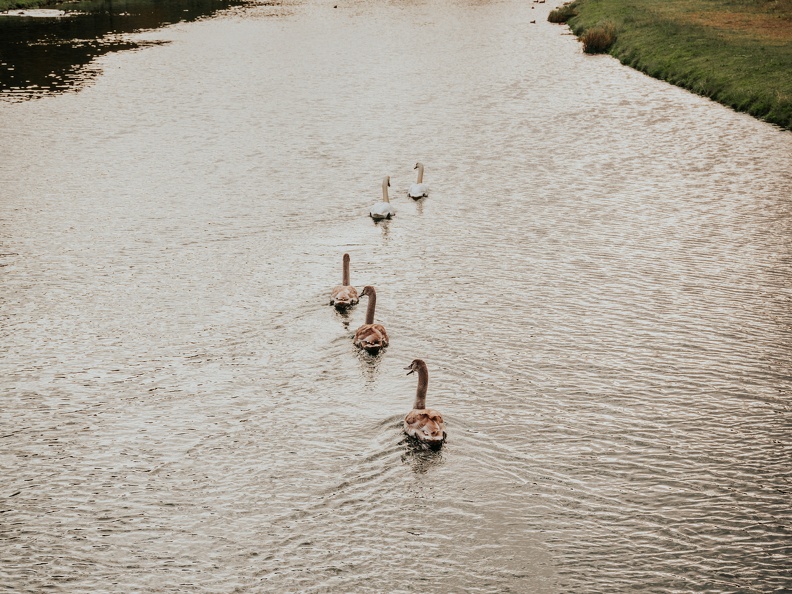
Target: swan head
[[418, 165], [386, 181], [368, 291], [416, 365]]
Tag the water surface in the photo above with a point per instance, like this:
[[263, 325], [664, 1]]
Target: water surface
[[600, 283]]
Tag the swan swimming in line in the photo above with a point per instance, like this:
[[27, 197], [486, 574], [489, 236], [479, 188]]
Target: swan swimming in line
[[420, 189], [424, 424], [383, 210], [344, 295], [370, 336]]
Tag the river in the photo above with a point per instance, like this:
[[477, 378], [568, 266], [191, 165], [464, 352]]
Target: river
[[600, 282]]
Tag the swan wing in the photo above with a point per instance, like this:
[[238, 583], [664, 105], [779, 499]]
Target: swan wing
[[344, 295], [382, 210], [418, 190], [371, 336], [426, 425]]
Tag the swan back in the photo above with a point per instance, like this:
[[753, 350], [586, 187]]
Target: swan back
[[418, 190], [425, 425], [343, 296], [382, 210], [371, 337]]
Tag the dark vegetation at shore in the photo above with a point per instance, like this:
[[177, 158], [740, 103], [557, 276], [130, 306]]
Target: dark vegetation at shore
[[599, 38], [737, 52], [563, 13], [21, 4]]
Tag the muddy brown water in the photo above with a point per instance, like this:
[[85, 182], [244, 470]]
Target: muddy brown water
[[600, 282]]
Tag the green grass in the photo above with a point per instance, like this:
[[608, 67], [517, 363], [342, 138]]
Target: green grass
[[737, 52]]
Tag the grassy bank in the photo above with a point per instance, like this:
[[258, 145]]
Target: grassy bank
[[737, 52]]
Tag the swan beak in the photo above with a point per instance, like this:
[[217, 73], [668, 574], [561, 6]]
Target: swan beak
[[411, 370], [416, 166]]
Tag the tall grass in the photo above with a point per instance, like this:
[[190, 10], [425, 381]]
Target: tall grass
[[563, 13], [598, 39]]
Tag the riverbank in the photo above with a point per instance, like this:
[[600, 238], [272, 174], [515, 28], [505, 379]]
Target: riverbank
[[736, 52]]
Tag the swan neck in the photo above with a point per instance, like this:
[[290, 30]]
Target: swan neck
[[420, 174], [345, 280], [372, 303], [423, 383], [385, 190]]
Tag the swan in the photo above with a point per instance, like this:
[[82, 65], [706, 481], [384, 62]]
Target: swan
[[420, 189], [424, 424], [370, 336], [344, 294], [383, 210]]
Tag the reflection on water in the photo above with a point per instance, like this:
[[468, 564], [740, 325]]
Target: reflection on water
[[369, 364], [419, 456], [344, 315], [40, 56], [384, 226], [600, 284]]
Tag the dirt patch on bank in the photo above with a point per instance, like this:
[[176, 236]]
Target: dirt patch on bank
[[760, 25]]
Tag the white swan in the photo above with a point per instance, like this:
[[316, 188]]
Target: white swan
[[424, 424], [383, 210], [344, 295], [420, 189]]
